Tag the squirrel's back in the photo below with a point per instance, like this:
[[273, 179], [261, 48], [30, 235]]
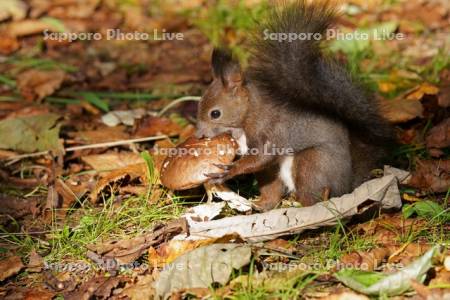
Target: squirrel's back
[[288, 66]]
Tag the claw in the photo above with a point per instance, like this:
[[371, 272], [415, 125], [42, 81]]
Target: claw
[[216, 178], [215, 175], [224, 167]]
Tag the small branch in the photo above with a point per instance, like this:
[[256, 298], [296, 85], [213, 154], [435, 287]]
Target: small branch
[[176, 101], [14, 159]]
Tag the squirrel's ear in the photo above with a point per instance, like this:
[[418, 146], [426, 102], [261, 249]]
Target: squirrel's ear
[[226, 68]]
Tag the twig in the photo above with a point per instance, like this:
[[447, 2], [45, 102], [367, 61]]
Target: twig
[[176, 101], [14, 159]]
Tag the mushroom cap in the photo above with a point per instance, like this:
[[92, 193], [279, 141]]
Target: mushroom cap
[[191, 160]]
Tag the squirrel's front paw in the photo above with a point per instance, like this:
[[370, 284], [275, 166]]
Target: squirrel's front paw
[[217, 178], [224, 167]]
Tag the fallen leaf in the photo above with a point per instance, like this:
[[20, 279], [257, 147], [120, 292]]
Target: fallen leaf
[[101, 135], [431, 292], [38, 294], [122, 176], [15, 207], [151, 126], [96, 287], [112, 160], [280, 245], [31, 133], [128, 250], [36, 262], [68, 193], [233, 199], [431, 175], [74, 9], [14, 9], [401, 110], [423, 89], [204, 212], [284, 221], [141, 290], [439, 135], [168, 252], [345, 296], [126, 117], [406, 253], [367, 261], [201, 268], [10, 266], [376, 283], [387, 228], [8, 44], [38, 84]]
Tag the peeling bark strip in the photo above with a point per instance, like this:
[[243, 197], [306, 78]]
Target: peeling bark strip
[[275, 223]]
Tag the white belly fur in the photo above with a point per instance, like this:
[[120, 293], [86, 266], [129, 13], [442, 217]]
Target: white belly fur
[[242, 142], [286, 172], [285, 168]]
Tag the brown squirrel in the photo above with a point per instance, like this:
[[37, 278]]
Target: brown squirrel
[[291, 96]]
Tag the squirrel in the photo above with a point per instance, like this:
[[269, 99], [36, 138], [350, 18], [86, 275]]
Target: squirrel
[[294, 97]]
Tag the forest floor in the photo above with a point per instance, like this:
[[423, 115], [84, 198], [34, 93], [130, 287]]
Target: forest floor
[[80, 119]]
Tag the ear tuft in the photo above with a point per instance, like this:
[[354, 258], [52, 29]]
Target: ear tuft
[[226, 68]]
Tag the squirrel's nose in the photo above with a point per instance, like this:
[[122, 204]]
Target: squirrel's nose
[[199, 133]]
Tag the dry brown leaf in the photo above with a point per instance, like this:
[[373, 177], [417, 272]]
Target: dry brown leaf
[[69, 193], [98, 287], [366, 261], [418, 92], [64, 9], [444, 93], [168, 252], [38, 84], [431, 175], [430, 293], [439, 135], [14, 9], [112, 160], [10, 266], [101, 135], [141, 290], [8, 44], [5, 154], [345, 296], [401, 110], [386, 229], [127, 251], [280, 245], [406, 253], [386, 86], [36, 262], [136, 172], [151, 126], [27, 27], [38, 294], [16, 207]]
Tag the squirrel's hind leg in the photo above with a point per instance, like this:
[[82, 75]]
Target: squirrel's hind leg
[[271, 188], [320, 171]]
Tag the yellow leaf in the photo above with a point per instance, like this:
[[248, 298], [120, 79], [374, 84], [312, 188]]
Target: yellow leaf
[[424, 89]]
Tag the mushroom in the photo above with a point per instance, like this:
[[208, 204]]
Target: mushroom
[[186, 168], [196, 157]]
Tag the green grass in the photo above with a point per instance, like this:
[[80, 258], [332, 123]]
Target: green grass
[[22, 63], [228, 24], [112, 221], [86, 225]]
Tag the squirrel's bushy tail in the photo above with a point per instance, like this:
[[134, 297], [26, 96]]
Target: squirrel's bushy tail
[[287, 64]]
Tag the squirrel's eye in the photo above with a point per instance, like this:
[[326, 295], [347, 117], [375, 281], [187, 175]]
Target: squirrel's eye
[[215, 114]]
